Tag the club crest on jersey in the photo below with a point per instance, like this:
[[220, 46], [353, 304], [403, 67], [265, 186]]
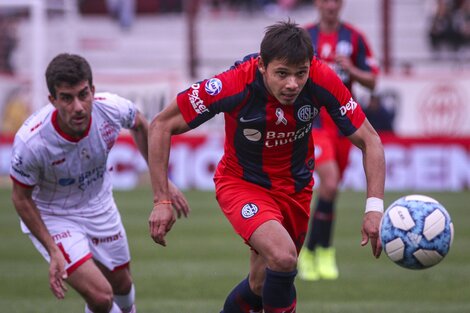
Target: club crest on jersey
[[249, 210], [213, 86], [305, 113]]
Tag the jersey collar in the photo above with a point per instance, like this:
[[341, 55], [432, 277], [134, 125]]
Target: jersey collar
[[64, 135]]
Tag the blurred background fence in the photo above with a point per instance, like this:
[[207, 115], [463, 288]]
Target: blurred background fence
[[151, 49]]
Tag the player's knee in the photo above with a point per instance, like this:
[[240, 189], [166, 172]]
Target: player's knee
[[100, 301], [283, 261]]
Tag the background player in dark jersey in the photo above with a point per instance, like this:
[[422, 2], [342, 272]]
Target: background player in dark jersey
[[346, 51], [264, 179]]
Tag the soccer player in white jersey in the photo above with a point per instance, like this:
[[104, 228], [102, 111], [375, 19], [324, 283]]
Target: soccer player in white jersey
[[62, 189]]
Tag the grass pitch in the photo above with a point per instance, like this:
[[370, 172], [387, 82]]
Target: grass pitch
[[204, 259]]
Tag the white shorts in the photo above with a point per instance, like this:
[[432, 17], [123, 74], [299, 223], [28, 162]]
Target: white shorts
[[101, 237]]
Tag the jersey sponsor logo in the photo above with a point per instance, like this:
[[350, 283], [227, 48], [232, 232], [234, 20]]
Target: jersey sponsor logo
[[350, 106], [249, 210], [195, 100], [213, 86], [280, 117], [62, 235], [96, 241], [66, 181], [276, 139], [305, 113], [89, 177], [16, 165], [252, 134]]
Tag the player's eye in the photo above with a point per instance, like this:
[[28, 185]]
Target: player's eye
[[66, 98], [83, 94]]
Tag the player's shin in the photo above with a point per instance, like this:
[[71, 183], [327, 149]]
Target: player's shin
[[279, 293], [243, 300], [126, 302]]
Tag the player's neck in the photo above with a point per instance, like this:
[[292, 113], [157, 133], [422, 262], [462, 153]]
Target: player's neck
[[329, 26]]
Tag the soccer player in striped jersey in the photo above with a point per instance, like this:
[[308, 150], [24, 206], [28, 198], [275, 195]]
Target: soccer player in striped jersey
[[264, 179], [347, 52], [62, 189]]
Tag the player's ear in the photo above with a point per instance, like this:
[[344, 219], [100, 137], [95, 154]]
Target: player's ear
[[261, 66], [92, 88], [52, 99]]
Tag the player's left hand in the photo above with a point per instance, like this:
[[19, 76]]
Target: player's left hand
[[161, 220], [344, 62], [57, 274], [370, 230], [180, 204]]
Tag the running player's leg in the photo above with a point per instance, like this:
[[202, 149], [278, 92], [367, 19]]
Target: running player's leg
[[108, 242], [92, 285], [276, 247], [123, 288], [246, 296]]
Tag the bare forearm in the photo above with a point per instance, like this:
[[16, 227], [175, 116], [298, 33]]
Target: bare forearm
[[30, 216], [159, 150], [374, 167]]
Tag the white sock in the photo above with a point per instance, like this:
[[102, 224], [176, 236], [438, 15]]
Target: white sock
[[126, 302]]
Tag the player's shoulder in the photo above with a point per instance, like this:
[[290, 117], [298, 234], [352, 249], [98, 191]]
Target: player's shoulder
[[311, 26], [109, 102], [35, 123], [352, 29], [322, 75]]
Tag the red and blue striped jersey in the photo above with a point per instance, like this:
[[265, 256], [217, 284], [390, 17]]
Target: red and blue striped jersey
[[268, 143], [346, 41]]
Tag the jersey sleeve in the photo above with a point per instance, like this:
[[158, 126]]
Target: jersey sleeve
[[346, 113], [120, 110], [24, 168], [221, 93], [365, 59]]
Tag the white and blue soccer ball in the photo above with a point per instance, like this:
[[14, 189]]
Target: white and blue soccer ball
[[416, 232]]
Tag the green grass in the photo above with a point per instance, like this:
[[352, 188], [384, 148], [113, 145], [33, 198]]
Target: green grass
[[204, 259]]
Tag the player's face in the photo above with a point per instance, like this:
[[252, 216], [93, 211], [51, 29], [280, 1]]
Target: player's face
[[284, 81], [329, 10], [74, 104]]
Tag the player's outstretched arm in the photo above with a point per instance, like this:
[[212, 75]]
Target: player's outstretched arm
[[167, 123], [367, 139], [27, 210], [140, 134]]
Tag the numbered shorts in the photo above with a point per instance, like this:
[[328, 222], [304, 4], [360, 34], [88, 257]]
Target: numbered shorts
[[101, 237], [247, 206], [331, 147]]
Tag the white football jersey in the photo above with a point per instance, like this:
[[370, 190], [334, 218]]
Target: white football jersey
[[70, 177]]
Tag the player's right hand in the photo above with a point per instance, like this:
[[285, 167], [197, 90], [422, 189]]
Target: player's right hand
[[57, 274], [161, 220]]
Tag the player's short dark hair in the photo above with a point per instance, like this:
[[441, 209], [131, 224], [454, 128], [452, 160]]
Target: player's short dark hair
[[287, 41], [68, 69]]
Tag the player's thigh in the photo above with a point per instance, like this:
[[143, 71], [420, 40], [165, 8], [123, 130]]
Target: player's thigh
[[120, 278], [246, 205], [89, 281]]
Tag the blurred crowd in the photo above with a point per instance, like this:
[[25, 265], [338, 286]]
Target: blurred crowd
[[450, 26]]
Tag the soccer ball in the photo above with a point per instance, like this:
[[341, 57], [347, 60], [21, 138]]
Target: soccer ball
[[416, 232]]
